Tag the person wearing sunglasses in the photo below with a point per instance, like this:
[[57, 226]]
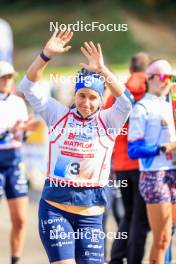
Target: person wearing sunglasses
[[151, 127], [81, 141]]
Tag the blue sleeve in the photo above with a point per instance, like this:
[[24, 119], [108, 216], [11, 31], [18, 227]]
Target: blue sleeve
[[138, 149], [129, 96]]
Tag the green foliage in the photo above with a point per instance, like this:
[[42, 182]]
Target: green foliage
[[30, 22]]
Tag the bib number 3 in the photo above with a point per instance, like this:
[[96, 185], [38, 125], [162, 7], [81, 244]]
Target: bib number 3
[[74, 168]]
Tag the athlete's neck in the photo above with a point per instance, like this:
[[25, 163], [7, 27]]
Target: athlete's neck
[[82, 117], [87, 117]]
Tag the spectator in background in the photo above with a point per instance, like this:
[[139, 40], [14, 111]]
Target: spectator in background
[[14, 123], [6, 43], [135, 219]]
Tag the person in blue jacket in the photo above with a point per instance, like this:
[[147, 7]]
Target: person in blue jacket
[[151, 129]]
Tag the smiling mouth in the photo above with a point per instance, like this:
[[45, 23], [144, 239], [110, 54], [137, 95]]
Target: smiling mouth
[[85, 109]]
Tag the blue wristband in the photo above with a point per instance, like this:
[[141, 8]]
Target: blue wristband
[[44, 57]]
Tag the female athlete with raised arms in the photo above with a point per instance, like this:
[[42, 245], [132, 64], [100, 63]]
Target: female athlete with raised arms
[[70, 212]]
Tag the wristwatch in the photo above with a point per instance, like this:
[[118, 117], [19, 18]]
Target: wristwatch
[[161, 149]]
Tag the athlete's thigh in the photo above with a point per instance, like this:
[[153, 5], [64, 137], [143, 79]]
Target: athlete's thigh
[[56, 233], [89, 239], [16, 182]]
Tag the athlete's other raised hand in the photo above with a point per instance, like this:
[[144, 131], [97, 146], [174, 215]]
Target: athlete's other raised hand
[[94, 56], [96, 64], [57, 43]]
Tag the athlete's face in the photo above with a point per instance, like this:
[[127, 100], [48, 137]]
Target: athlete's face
[[6, 83], [87, 101], [159, 86]]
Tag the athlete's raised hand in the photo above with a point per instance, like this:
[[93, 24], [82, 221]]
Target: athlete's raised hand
[[57, 43], [94, 56]]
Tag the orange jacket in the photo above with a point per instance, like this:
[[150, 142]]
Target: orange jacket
[[136, 84]]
